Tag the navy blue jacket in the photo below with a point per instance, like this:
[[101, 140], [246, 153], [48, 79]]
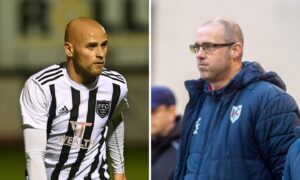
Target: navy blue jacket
[[292, 164], [249, 143]]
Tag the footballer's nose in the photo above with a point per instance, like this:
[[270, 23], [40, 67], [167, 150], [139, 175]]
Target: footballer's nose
[[101, 52]]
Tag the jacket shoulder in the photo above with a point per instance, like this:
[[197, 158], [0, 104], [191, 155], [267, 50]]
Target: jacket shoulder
[[265, 87], [268, 100], [266, 93]]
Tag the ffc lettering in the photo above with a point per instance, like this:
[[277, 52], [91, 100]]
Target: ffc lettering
[[77, 141], [103, 108]]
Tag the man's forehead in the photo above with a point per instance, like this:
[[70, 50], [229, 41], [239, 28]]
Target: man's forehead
[[89, 33], [210, 28], [89, 28], [210, 31]]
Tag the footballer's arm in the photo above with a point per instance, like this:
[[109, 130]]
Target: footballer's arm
[[115, 142], [35, 146], [34, 119]]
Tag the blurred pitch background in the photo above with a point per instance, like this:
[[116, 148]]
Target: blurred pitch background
[[31, 38]]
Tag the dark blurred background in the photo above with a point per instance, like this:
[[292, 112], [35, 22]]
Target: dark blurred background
[[31, 38]]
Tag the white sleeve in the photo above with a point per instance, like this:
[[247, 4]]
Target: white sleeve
[[34, 106], [115, 143], [115, 140], [35, 147]]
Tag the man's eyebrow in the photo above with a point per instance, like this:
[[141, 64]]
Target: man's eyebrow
[[104, 42], [205, 42], [92, 44]]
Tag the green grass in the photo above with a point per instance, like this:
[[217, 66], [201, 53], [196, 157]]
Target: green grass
[[136, 163], [12, 164]]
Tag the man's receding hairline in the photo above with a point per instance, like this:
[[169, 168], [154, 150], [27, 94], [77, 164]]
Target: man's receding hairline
[[232, 30], [70, 24]]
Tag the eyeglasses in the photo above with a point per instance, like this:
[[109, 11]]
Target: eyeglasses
[[208, 47]]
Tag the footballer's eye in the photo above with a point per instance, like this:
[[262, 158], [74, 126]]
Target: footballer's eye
[[91, 45], [104, 44]]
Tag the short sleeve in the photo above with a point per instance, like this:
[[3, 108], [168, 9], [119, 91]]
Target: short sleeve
[[33, 106]]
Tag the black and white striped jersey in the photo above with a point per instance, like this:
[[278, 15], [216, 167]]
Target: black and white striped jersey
[[75, 118]]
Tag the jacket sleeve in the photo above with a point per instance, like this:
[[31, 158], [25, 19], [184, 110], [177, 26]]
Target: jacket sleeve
[[286, 173], [292, 166], [275, 131]]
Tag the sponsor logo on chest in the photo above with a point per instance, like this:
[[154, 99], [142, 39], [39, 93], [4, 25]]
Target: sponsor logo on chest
[[77, 141]]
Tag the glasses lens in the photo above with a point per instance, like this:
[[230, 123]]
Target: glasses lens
[[194, 48], [208, 47]]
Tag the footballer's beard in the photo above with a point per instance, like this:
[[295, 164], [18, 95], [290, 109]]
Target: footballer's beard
[[89, 73]]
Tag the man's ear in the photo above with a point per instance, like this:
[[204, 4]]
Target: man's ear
[[236, 51], [68, 49]]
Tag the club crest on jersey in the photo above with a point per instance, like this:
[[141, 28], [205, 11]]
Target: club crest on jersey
[[235, 113], [103, 108]]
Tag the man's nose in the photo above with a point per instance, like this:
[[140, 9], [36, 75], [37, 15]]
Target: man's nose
[[100, 52], [200, 54]]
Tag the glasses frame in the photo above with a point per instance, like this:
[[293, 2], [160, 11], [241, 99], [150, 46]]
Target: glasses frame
[[211, 47]]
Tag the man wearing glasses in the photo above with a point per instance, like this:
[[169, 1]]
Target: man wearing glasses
[[239, 121]]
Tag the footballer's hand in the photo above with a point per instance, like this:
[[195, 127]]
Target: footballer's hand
[[119, 176]]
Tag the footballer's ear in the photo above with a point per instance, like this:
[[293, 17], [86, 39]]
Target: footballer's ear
[[68, 49]]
